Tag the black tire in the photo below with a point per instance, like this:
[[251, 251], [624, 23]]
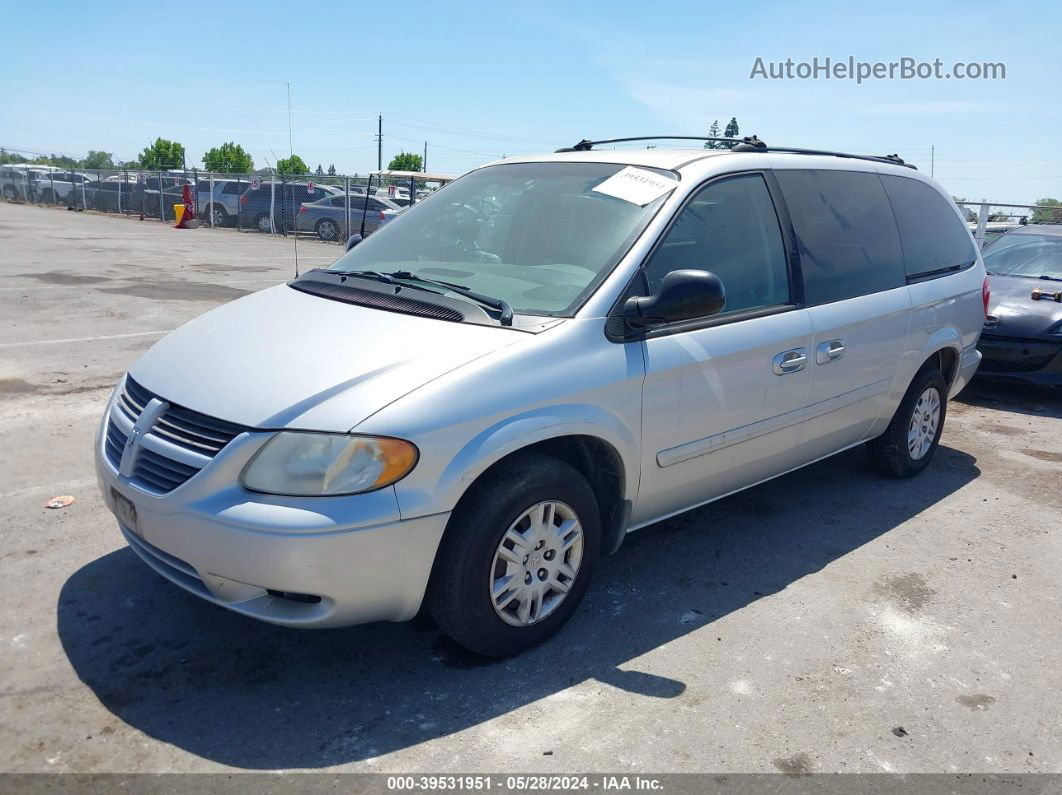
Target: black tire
[[325, 224], [260, 221], [458, 593], [889, 453]]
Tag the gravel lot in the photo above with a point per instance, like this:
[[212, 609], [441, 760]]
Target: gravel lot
[[794, 627]]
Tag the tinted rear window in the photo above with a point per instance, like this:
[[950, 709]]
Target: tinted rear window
[[933, 237], [846, 233]]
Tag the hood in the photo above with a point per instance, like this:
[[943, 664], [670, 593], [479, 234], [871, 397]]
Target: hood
[[281, 358], [1016, 313]]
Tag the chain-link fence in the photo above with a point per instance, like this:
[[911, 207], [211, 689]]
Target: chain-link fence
[[330, 207], [989, 220]]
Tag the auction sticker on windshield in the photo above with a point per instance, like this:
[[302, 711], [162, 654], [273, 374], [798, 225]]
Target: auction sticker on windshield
[[637, 185]]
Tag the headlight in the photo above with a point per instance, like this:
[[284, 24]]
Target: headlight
[[325, 464]]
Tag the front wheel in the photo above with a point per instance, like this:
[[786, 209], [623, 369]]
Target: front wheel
[[908, 444], [517, 557], [262, 224]]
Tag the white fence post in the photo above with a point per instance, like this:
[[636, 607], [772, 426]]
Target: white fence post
[[982, 223]]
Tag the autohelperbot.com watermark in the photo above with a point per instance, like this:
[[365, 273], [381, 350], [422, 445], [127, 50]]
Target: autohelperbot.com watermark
[[905, 68]]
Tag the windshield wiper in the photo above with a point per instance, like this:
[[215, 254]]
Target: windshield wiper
[[1051, 278], [500, 304], [374, 275]]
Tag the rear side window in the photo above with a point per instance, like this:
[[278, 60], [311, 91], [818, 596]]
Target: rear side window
[[934, 239], [234, 187], [846, 233]]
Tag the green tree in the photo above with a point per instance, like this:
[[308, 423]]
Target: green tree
[[62, 161], [10, 157], [292, 165], [162, 154], [332, 169], [1052, 212], [732, 131], [713, 132], [319, 171], [406, 161], [98, 159], [230, 158]]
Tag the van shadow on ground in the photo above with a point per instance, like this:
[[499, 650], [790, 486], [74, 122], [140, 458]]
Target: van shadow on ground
[[255, 696]]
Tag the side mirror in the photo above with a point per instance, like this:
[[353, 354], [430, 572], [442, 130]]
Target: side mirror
[[352, 241], [683, 295]]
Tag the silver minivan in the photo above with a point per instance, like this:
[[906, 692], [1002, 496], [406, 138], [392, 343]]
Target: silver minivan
[[471, 406]]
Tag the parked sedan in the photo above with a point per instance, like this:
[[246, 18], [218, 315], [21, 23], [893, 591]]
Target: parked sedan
[[325, 216], [1022, 338], [272, 206]]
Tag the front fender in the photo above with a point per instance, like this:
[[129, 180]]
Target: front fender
[[523, 430], [432, 490]]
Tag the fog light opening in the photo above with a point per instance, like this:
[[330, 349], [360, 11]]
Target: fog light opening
[[292, 596]]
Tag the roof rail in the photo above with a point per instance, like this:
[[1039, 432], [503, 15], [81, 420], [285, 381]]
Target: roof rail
[[586, 145], [746, 144]]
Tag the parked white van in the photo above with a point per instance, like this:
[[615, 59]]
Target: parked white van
[[470, 407]]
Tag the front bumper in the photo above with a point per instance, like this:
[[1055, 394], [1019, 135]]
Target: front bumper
[[1034, 361], [300, 562]]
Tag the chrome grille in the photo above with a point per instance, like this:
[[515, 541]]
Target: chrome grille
[[114, 444], [176, 426]]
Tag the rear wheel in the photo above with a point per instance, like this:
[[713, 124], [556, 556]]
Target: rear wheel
[[218, 216], [911, 438], [328, 230], [517, 557]]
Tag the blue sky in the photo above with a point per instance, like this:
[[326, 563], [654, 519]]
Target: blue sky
[[479, 80]]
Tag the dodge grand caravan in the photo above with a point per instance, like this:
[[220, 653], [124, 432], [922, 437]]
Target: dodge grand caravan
[[467, 409]]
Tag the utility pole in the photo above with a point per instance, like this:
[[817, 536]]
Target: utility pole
[[379, 142], [932, 159], [424, 162]]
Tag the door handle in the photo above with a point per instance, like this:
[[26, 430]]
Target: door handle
[[826, 352], [790, 361]]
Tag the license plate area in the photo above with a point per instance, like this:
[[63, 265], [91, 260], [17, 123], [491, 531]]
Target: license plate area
[[125, 511]]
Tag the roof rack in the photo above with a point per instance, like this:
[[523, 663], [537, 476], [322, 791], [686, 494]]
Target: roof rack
[[746, 144]]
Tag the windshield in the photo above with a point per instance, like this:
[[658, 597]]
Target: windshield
[[1026, 255], [533, 234]]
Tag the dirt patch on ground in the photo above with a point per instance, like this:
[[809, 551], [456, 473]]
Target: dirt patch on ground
[[64, 278], [179, 291], [215, 267], [909, 592], [17, 386], [978, 701], [795, 765], [1043, 455], [1005, 430]]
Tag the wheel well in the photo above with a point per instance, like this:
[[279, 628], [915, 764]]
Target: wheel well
[[601, 465], [946, 360]]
